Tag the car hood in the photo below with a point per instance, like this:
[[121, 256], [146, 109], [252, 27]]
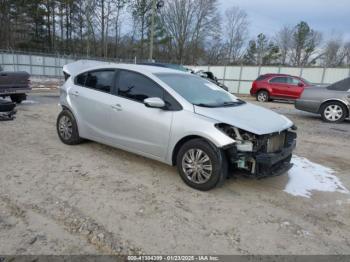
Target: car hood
[[249, 117]]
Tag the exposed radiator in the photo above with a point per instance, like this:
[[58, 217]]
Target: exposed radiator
[[276, 143]]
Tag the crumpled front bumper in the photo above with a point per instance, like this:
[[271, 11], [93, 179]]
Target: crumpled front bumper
[[274, 164], [263, 164]]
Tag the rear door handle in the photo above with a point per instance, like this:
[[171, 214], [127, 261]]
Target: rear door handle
[[117, 107]]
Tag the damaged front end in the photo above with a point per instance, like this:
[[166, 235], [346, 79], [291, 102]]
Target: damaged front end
[[260, 155]]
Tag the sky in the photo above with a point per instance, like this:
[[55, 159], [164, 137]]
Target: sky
[[331, 17]]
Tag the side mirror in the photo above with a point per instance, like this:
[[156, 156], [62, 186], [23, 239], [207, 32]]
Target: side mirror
[[154, 102], [300, 84]]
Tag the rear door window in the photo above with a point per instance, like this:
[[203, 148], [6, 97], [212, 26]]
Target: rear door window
[[80, 79], [293, 81], [102, 80]]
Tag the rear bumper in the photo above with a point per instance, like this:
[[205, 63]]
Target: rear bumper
[[307, 105], [11, 91]]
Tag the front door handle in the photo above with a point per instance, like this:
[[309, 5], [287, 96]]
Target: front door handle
[[117, 107], [75, 93]]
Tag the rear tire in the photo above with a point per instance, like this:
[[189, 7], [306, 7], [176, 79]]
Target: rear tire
[[263, 96], [333, 112], [67, 128], [205, 169], [18, 98]]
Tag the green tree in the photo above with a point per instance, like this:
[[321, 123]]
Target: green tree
[[262, 51], [304, 44]]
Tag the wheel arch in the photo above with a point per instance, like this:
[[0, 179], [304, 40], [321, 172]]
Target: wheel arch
[[77, 120], [263, 89], [181, 142], [347, 105], [64, 107]]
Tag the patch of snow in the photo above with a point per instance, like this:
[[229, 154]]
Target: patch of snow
[[306, 176], [29, 102]]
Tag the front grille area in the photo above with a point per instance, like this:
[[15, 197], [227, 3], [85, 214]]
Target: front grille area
[[276, 142]]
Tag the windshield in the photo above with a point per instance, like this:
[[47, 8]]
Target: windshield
[[199, 91], [306, 82], [177, 67]]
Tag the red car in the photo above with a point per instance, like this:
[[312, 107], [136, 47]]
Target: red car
[[278, 86]]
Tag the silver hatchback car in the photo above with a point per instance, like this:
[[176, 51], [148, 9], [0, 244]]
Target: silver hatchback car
[[174, 117]]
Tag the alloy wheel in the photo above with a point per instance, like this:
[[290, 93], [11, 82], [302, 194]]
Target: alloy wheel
[[262, 97], [65, 127]]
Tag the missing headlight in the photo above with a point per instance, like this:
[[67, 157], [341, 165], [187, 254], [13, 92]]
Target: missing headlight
[[244, 140]]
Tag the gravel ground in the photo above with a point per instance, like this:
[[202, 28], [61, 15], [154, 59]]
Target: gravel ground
[[94, 199]]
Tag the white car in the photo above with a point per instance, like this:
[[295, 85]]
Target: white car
[[174, 117]]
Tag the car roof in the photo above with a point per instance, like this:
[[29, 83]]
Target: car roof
[[87, 65], [273, 74]]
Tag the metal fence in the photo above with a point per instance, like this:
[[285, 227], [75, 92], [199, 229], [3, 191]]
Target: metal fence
[[237, 78], [40, 64]]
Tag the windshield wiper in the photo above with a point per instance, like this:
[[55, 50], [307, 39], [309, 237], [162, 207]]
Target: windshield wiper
[[205, 105], [233, 103], [228, 103]]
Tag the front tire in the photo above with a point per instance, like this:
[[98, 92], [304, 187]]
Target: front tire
[[67, 128], [201, 165], [263, 96], [333, 112]]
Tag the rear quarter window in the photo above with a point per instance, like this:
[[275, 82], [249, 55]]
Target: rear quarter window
[[80, 79], [262, 77], [66, 76]]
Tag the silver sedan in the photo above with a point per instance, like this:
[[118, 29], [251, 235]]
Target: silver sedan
[[331, 102], [173, 117]]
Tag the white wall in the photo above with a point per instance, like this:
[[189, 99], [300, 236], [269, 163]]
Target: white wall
[[239, 78]]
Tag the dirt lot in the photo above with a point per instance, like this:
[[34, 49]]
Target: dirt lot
[[93, 199]]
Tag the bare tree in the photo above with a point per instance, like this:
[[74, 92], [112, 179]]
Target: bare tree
[[347, 53], [206, 22], [236, 27], [119, 6], [177, 16], [189, 23], [215, 51], [89, 16], [140, 13], [283, 41], [334, 52]]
